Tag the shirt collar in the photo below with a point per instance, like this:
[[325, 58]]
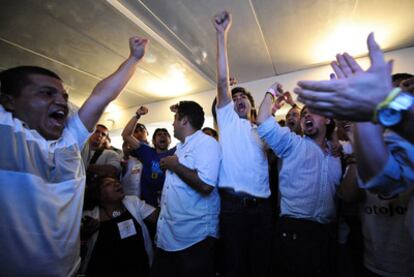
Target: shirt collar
[[189, 138]]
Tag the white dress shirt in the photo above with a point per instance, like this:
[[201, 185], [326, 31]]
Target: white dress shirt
[[188, 217]]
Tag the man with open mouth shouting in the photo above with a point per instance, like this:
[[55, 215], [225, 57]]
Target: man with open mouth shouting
[[42, 177], [308, 180]]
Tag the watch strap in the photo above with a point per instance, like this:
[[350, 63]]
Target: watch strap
[[391, 96]]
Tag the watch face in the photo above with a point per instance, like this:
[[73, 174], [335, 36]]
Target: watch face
[[389, 117]]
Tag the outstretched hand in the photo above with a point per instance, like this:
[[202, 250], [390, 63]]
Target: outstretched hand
[[137, 46], [222, 21], [356, 93]]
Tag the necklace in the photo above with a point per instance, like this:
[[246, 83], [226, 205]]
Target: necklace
[[115, 213]]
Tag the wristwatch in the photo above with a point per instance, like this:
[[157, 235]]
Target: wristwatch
[[390, 113]]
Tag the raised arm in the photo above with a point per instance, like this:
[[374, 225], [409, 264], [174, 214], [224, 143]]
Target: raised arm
[[109, 88], [272, 100], [128, 132], [222, 23]]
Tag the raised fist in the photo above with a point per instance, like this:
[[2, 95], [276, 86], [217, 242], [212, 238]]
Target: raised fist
[[222, 21], [142, 110], [137, 46], [174, 108]]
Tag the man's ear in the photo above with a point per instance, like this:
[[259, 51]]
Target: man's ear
[[7, 101], [184, 120], [328, 121]]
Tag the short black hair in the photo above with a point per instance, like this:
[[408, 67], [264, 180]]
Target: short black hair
[[160, 130], [242, 90], [92, 191], [213, 131], [140, 127], [101, 125], [193, 111], [401, 76], [13, 80]]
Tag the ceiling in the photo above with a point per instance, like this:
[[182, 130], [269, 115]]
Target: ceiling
[[85, 40]]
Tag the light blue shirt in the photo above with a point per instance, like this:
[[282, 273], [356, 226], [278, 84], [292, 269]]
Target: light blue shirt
[[309, 177], [398, 173], [186, 216]]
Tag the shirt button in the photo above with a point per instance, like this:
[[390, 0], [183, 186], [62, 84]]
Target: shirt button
[[284, 235]]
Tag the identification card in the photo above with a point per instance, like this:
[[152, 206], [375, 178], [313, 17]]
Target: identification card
[[126, 228]]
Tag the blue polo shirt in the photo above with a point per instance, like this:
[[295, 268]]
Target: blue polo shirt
[[152, 179]]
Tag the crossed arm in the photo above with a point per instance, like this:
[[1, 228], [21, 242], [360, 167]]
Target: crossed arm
[[189, 176]]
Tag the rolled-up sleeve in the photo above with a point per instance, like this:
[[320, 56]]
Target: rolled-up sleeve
[[398, 173]]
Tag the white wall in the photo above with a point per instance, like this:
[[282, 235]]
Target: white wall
[[160, 116]]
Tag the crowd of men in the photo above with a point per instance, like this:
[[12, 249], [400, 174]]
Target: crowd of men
[[328, 192]]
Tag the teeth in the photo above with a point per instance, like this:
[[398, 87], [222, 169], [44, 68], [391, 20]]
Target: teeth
[[60, 113]]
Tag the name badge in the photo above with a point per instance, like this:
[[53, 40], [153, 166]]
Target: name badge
[[126, 228]]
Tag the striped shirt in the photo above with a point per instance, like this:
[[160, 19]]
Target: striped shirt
[[309, 177]]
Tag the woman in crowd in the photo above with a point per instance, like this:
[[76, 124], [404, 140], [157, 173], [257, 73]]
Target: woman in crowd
[[118, 242]]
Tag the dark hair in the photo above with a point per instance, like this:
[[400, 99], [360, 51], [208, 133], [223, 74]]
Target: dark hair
[[401, 76], [245, 92], [101, 125], [214, 132], [193, 111], [13, 80], [213, 110], [140, 127], [253, 112], [92, 191], [330, 129], [160, 130]]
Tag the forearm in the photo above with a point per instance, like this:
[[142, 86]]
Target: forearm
[[265, 110], [348, 190], [190, 177], [153, 218], [223, 88], [128, 133], [106, 91], [370, 150], [110, 87]]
